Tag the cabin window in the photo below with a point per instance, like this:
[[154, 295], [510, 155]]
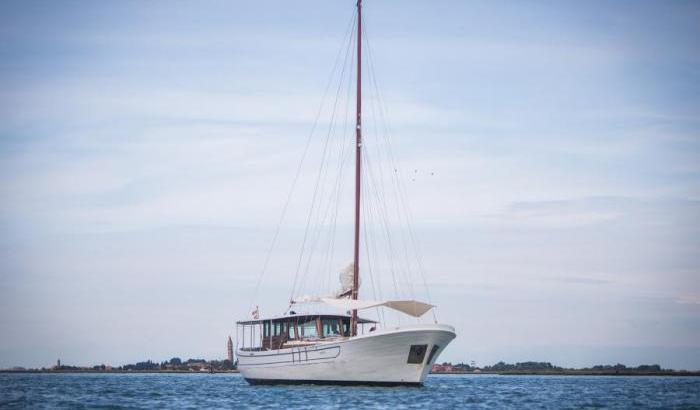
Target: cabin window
[[290, 330], [331, 327], [308, 329], [417, 354], [278, 329], [433, 350]]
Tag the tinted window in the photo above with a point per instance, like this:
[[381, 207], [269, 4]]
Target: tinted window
[[417, 354], [308, 329], [331, 327], [290, 330]]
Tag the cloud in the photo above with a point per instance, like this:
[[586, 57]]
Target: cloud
[[689, 299], [549, 155]]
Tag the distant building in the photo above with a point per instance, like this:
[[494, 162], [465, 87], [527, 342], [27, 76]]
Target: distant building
[[439, 368], [230, 349]]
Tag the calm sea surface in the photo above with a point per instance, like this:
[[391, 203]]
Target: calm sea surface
[[440, 392]]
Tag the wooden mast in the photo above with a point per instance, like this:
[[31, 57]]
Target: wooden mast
[[358, 163]]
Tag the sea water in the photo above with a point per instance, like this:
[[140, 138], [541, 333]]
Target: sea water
[[146, 391]]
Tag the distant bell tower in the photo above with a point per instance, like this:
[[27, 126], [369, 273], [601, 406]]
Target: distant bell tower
[[230, 349]]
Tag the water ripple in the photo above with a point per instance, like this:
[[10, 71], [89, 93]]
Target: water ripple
[[191, 391]]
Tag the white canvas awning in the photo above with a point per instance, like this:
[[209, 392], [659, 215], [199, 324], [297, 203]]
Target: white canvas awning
[[409, 307]]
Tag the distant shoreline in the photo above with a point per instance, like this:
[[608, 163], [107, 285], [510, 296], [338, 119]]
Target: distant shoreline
[[49, 371], [573, 373], [504, 373]]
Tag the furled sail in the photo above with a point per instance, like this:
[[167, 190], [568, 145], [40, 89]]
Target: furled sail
[[346, 278]]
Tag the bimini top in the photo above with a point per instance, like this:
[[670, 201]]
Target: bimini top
[[301, 318], [410, 307]]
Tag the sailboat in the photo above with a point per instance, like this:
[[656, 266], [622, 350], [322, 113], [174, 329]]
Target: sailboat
[[346, 349]]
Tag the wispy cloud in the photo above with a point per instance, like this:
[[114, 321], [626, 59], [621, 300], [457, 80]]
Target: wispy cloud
[[549, 153]]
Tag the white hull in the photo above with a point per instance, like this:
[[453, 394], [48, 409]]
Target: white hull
[[380, 357]]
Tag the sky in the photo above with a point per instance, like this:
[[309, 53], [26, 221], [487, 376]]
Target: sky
[[550, 153]]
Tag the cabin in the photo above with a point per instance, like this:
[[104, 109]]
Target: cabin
[[294, 331]]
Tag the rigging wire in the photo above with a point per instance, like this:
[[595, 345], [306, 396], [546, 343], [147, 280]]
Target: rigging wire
[[375, 204], [382, 201], [285, 207], [320, 174], [376, 292], [344, 158], [376, 201], [319, 224], [402, 194]]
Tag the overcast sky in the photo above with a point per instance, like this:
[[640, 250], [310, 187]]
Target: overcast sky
[[146, 150]]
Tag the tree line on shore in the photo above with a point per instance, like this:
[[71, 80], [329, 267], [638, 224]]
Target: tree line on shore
[[177, 364], [174, 364], [549, 367]]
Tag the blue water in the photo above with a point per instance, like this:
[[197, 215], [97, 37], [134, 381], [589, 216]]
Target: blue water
[[440, 392]]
